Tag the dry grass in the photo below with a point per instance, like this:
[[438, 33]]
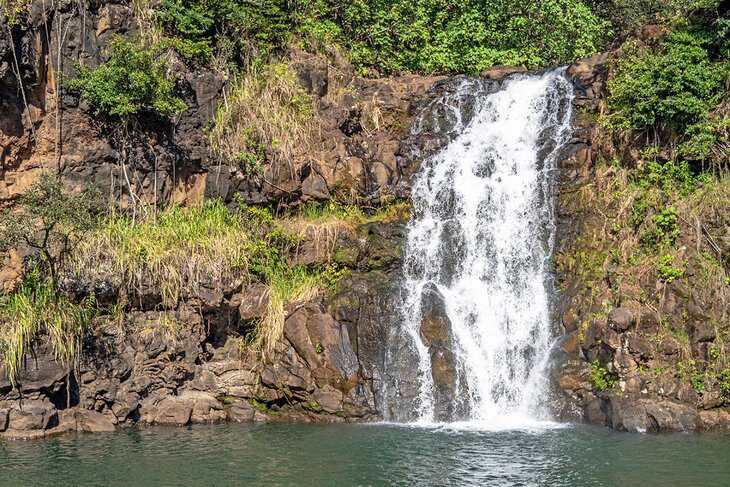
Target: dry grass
[[618, 268], [266, 119], [173, 254], [37, 308], [299, 287]]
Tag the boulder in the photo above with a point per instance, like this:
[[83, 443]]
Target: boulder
[[4, 414], [35, 414], [254, 302], [173, 412], [241, 411], [329, 399], [648, 322], [93, 422], [498, 73], [621, 319]]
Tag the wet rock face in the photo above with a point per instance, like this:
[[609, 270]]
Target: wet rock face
[[436, 335]]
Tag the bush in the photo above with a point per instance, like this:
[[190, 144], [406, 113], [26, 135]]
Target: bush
[[627, 15], [393, 36], [132, 81], [666, 269], [670, 87], [235, 27], [601, 378], [428, 36], [50, 221]]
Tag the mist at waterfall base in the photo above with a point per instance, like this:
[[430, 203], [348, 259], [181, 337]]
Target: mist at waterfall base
[[477, 257]]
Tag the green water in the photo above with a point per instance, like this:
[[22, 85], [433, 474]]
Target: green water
[[323, 455]]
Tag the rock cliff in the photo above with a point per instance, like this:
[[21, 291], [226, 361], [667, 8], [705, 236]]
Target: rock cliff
[[160, 368]]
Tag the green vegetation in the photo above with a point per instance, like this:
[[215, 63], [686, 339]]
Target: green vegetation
[[675, 91], [12, 10], [391, 36], [601, 378], [134, 80], [266, 109], [179, 249], [670, 86], [708, 376], [228, 27], [628, 15], [667, 270], [37, 308], [50, 223], [173, 252], [170, 251], [428, 36]]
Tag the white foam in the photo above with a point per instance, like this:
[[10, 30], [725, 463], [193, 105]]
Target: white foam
[[488, 252]]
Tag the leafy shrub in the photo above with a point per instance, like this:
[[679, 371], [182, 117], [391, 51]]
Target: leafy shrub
[[393, 36], [601, 378], [11, 11], [201, 27], [133, 80], [666, 222], [433, 36], [667, 270], [708, 139], [673, 178], [672, 86], [50, 221], [627, 15]]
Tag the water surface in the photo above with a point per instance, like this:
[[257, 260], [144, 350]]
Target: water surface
[[324, 455]]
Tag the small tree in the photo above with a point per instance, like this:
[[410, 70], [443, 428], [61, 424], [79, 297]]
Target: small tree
[[49, 220]]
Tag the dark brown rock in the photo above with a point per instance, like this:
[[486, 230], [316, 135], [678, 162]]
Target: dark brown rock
[[93, 422], [621, 319], [329, 399], [498, 73], [34, 414], [173, 412], [254, 302], [648, 322]]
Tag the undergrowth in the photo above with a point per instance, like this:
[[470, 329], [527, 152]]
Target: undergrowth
[[265, 117], [38, 308]]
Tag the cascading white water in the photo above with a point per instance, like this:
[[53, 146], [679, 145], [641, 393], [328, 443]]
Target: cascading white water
[[481, 234]]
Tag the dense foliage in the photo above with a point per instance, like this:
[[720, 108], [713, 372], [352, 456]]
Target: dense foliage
[[677, 89], [436, 36], [392, 36], [48, 220], [234, 27], [133, 80], [628, 15], [673, 85]]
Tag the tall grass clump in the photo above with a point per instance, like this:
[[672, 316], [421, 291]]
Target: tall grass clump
[[266, 118], [172, 252], [37, 308], [286, 284]]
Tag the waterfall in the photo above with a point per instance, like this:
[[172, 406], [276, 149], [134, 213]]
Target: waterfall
[[478, 286]]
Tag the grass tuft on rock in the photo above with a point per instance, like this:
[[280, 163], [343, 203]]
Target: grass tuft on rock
[[37, 308]]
